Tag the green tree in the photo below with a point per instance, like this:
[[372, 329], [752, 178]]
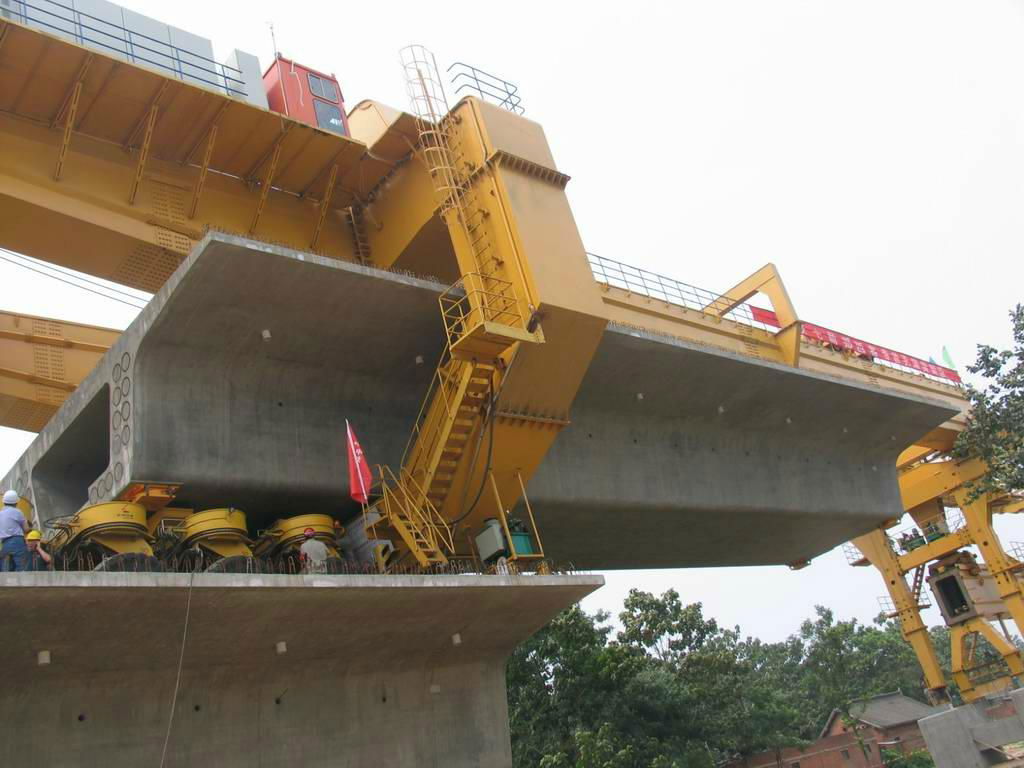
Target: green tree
[[995, 427], [673, 689], [895, 759], [845, 660]]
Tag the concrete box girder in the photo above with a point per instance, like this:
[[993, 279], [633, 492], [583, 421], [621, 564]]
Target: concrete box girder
[[677, 454]]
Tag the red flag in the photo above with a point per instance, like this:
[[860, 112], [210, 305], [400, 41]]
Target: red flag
[[359, 477]]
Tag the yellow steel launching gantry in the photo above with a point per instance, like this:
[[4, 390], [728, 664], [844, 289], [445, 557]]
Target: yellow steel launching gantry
[[949, 517], [135, 167]]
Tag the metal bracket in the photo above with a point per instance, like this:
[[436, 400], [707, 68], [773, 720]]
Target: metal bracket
[[768, 282]]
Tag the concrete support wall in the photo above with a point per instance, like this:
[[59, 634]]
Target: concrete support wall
[[371, 674], [969, 735]]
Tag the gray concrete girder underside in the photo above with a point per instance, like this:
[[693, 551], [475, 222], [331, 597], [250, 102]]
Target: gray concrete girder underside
[[724, 460]]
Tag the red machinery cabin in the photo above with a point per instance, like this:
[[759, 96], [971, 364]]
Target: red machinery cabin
[[305, 94]]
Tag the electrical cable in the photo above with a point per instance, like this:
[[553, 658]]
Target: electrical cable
[[74, 275], [73, 285], [181, 661], [489, 423]]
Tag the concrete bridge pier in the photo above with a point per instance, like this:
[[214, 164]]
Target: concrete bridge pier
[[276, 671]]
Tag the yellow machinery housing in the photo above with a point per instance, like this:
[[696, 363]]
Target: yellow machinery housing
[[213, 539], [101, 535], [281, 541]]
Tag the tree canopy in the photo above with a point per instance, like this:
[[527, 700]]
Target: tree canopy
[[670, 688], [995, 427]]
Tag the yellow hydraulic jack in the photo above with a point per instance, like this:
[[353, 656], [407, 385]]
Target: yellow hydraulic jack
[[109, 536], [279, 544]]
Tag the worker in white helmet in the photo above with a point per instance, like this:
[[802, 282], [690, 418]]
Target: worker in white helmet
[[13, 527], [313, 554]]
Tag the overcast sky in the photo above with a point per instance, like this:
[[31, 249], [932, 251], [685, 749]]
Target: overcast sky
[[870, 149]]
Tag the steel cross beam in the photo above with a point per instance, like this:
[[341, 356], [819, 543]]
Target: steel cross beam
[[267, 181], [144, 119], [83, 70], [328, 191], [140, 166], [69, 126], [197, 191]]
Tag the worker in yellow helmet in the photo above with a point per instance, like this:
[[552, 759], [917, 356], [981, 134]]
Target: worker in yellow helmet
[[38, 558]]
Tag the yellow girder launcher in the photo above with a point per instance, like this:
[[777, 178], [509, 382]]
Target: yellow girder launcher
[[105, 536]]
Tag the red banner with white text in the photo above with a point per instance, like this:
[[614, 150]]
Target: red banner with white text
[[861, 348]]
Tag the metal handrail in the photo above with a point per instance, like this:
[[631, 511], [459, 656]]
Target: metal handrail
[[442, 383], [492, 298], [425, 515], [615, 274], [671, 291], [488, 87], [185, 67]]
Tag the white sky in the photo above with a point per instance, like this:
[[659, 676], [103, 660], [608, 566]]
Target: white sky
[[869, 148]]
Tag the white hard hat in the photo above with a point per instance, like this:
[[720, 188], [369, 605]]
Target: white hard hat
[[11, 497]]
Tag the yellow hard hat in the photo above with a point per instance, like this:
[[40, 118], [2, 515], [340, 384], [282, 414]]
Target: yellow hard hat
[[33, 536]]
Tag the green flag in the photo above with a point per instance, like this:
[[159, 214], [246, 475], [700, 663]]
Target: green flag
[[948, 358]]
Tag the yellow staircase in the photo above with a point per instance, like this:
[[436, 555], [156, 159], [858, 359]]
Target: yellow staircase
[[483, 319]]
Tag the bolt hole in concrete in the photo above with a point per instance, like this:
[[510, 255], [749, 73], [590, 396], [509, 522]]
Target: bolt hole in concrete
[[280, 404], [277, 700], [81, 718], [197, 708]]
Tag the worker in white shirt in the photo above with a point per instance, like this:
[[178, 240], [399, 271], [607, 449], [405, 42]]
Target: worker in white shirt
[[313, 554], [13, 527]]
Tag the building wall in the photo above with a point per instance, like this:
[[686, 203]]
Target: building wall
[[836, 751], [908, 736]]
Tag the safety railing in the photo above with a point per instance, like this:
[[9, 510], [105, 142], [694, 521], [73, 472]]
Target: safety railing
[[406, 500], [651, 284], [913, 537], [888, 607], [114, 38], [671, 291], [853, 555], [429, 104], [442, 390], [466, 78], [474, 299]]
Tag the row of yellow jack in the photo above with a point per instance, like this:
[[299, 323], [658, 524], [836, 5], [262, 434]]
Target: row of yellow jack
[[126, 531]]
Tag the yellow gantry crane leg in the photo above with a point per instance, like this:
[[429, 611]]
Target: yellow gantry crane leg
[[876, 549], [963, 640], [977, 511]]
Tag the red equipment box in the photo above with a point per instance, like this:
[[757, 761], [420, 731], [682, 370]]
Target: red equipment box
[[305, 94]]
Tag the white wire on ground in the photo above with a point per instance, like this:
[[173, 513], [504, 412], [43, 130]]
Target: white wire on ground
[[181, 661]]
